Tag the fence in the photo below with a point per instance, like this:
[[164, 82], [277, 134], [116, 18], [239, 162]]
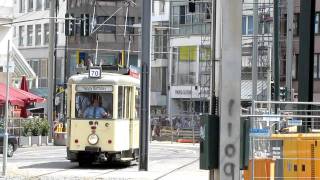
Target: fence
[[183, 127], [284, 143]]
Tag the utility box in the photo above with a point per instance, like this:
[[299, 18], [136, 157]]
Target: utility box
[[209, 142]]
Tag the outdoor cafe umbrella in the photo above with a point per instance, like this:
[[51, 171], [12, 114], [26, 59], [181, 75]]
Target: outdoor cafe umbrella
[[20, 94], [24, 87]]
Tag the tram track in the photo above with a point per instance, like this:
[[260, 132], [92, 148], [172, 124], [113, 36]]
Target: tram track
[[176, 169]]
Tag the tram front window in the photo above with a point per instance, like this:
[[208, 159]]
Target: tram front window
[[94, 105]]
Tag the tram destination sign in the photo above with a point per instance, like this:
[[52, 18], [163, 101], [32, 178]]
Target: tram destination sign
[[87, 88]]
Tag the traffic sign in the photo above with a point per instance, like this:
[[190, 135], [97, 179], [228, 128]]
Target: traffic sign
[[257, 132], [295, 122]]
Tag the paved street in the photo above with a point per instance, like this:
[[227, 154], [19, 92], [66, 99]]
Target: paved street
[[167, 161]]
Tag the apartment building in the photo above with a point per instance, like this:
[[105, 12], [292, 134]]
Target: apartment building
[[112, 41], [18, 66], [190, 58], [296, 48], [31, 37]]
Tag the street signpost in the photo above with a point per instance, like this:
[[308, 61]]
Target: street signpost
[[295, 122], [257, 132]]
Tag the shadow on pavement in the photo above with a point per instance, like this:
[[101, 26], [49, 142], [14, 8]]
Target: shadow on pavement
[[73, 165]]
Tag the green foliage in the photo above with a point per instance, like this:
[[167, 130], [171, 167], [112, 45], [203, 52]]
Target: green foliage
[[36, 127]]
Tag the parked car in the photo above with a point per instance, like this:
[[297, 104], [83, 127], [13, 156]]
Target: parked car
[[12, 143]]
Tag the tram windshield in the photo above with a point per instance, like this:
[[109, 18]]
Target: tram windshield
[[94, 105]]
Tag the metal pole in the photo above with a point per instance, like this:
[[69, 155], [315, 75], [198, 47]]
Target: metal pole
[[276, 76], [230, 86], [50, 65], [252, 139], [5, 123], [255, 50], [212, 108], [97, 46], [269, 79], [289, 50], [145, 85], [169, 94]]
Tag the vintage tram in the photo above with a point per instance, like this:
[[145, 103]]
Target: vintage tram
[[103, 117]]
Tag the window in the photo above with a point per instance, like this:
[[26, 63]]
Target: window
[[21, 35], [161, 44], [265, 23], [294, 67], [137, 104], [120, 101], [247, 25], [39, 5], [39, 66], [296, 24], [46, 33], [161, 7], [38, 34], [316, 73], [14, 31], [130, 22], [47, 4], [30, 5], [182, 15], [21, 6], [317, 23], [316, 67], [29, 35], [109, 26], [94, 105]]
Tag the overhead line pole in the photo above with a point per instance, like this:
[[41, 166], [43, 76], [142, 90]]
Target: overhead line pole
[[5, 123], [145, 85], [276, 76], [255, 55], [289, 49], [213, 103], [51, 66]]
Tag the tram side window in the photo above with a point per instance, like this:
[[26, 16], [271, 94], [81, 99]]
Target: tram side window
[[123, 102], [94, 105], [137, 96]]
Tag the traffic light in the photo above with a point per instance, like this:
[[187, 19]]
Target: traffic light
[[192, 6], [69, 24], [84, 25], [283, 93]]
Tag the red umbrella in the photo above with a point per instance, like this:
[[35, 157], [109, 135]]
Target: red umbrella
[[20, 94], [24, 87], [24, 84]]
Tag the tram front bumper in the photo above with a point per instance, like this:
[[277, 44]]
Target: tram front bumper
[[92, 149]]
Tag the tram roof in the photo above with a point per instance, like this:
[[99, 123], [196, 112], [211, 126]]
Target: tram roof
[[106, 78]]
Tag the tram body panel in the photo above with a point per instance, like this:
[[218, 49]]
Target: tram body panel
[[113, 135], [134, 134]]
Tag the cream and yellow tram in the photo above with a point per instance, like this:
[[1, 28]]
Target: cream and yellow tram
[[103, 122]]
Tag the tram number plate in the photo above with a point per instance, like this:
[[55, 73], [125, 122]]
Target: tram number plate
[[95, 72]]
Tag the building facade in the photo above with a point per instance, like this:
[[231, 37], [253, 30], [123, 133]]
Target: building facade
[[296, 49], [159, 59], [112, 42], [190, 58], [31, 37], [18, 66]]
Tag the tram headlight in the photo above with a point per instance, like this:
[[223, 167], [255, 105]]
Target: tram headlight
[[93, 139]]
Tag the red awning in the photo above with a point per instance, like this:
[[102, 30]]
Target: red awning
[[20, 94]]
